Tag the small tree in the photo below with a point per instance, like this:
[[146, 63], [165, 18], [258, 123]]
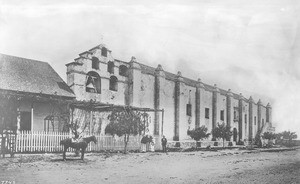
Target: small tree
[[124, 123], [222, 131], [257, 140], [287, 135], [269, 135], [198, 133], [278, 136], [76, 129]]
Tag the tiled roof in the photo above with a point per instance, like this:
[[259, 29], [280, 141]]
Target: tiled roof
[[31, 76]]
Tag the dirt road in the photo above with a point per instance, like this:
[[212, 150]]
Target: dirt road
[[227, 166]]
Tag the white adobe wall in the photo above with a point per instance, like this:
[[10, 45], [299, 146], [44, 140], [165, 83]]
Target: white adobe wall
[[263, 115], [142, 94], [186, 122], [235, 124], [146, 96], [206, 102], [168, 105], [221, 105], [255, 125]]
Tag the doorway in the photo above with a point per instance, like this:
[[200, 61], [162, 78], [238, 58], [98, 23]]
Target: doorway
[[25, 123], [234, 134]]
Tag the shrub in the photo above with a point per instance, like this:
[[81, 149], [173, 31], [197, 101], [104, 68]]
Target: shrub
[[222, 131], [240, 142], [177, 144], [198, 134]]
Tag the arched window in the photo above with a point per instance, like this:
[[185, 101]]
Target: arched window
[[123, 70], [110, 67], [95, 63], [113, 83], [93, 83], [104, 51]]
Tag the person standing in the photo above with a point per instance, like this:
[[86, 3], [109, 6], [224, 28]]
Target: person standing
[[144, 144], [151, 144], [164, 144]]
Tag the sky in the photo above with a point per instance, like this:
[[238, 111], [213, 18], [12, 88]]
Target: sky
[[251, 47]]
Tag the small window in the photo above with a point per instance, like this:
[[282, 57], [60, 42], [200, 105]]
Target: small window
[[113, 83], [95, 63], [104, 51], [235, 114], [189, 109], [222, 115], [207, 113], [245, 118], [110, 67], [123, 70], [254, 120]]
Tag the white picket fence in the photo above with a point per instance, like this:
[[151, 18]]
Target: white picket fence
[[34, 141]]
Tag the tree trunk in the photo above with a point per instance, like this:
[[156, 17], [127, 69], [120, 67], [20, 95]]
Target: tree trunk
[[223, 142], [126, 139]]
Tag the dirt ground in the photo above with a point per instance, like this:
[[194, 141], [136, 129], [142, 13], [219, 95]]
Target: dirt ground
[[226, 166]]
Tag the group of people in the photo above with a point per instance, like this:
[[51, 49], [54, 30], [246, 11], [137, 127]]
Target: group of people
[[148, 143]]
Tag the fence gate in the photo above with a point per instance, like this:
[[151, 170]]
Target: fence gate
[[8, 142]]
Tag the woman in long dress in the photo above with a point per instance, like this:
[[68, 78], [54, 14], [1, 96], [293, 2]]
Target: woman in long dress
[[151, 144], [144, 144]]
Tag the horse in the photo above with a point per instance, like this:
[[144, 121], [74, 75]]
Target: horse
[[81, 144]]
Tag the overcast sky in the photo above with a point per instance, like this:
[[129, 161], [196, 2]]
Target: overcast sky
[[251, 47]]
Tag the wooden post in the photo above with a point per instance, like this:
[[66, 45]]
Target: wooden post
[[32, 116], [48, 125], [18, 119], [91, 120], [144, 122]]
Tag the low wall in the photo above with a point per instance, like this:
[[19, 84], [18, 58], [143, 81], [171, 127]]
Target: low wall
[[202, 144]]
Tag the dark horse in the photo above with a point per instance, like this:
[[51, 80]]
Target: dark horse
[[81, 144]]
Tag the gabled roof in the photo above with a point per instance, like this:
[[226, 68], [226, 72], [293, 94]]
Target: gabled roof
[[31, 76]]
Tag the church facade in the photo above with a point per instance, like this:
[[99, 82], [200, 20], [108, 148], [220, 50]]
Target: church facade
[[96, 76]]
